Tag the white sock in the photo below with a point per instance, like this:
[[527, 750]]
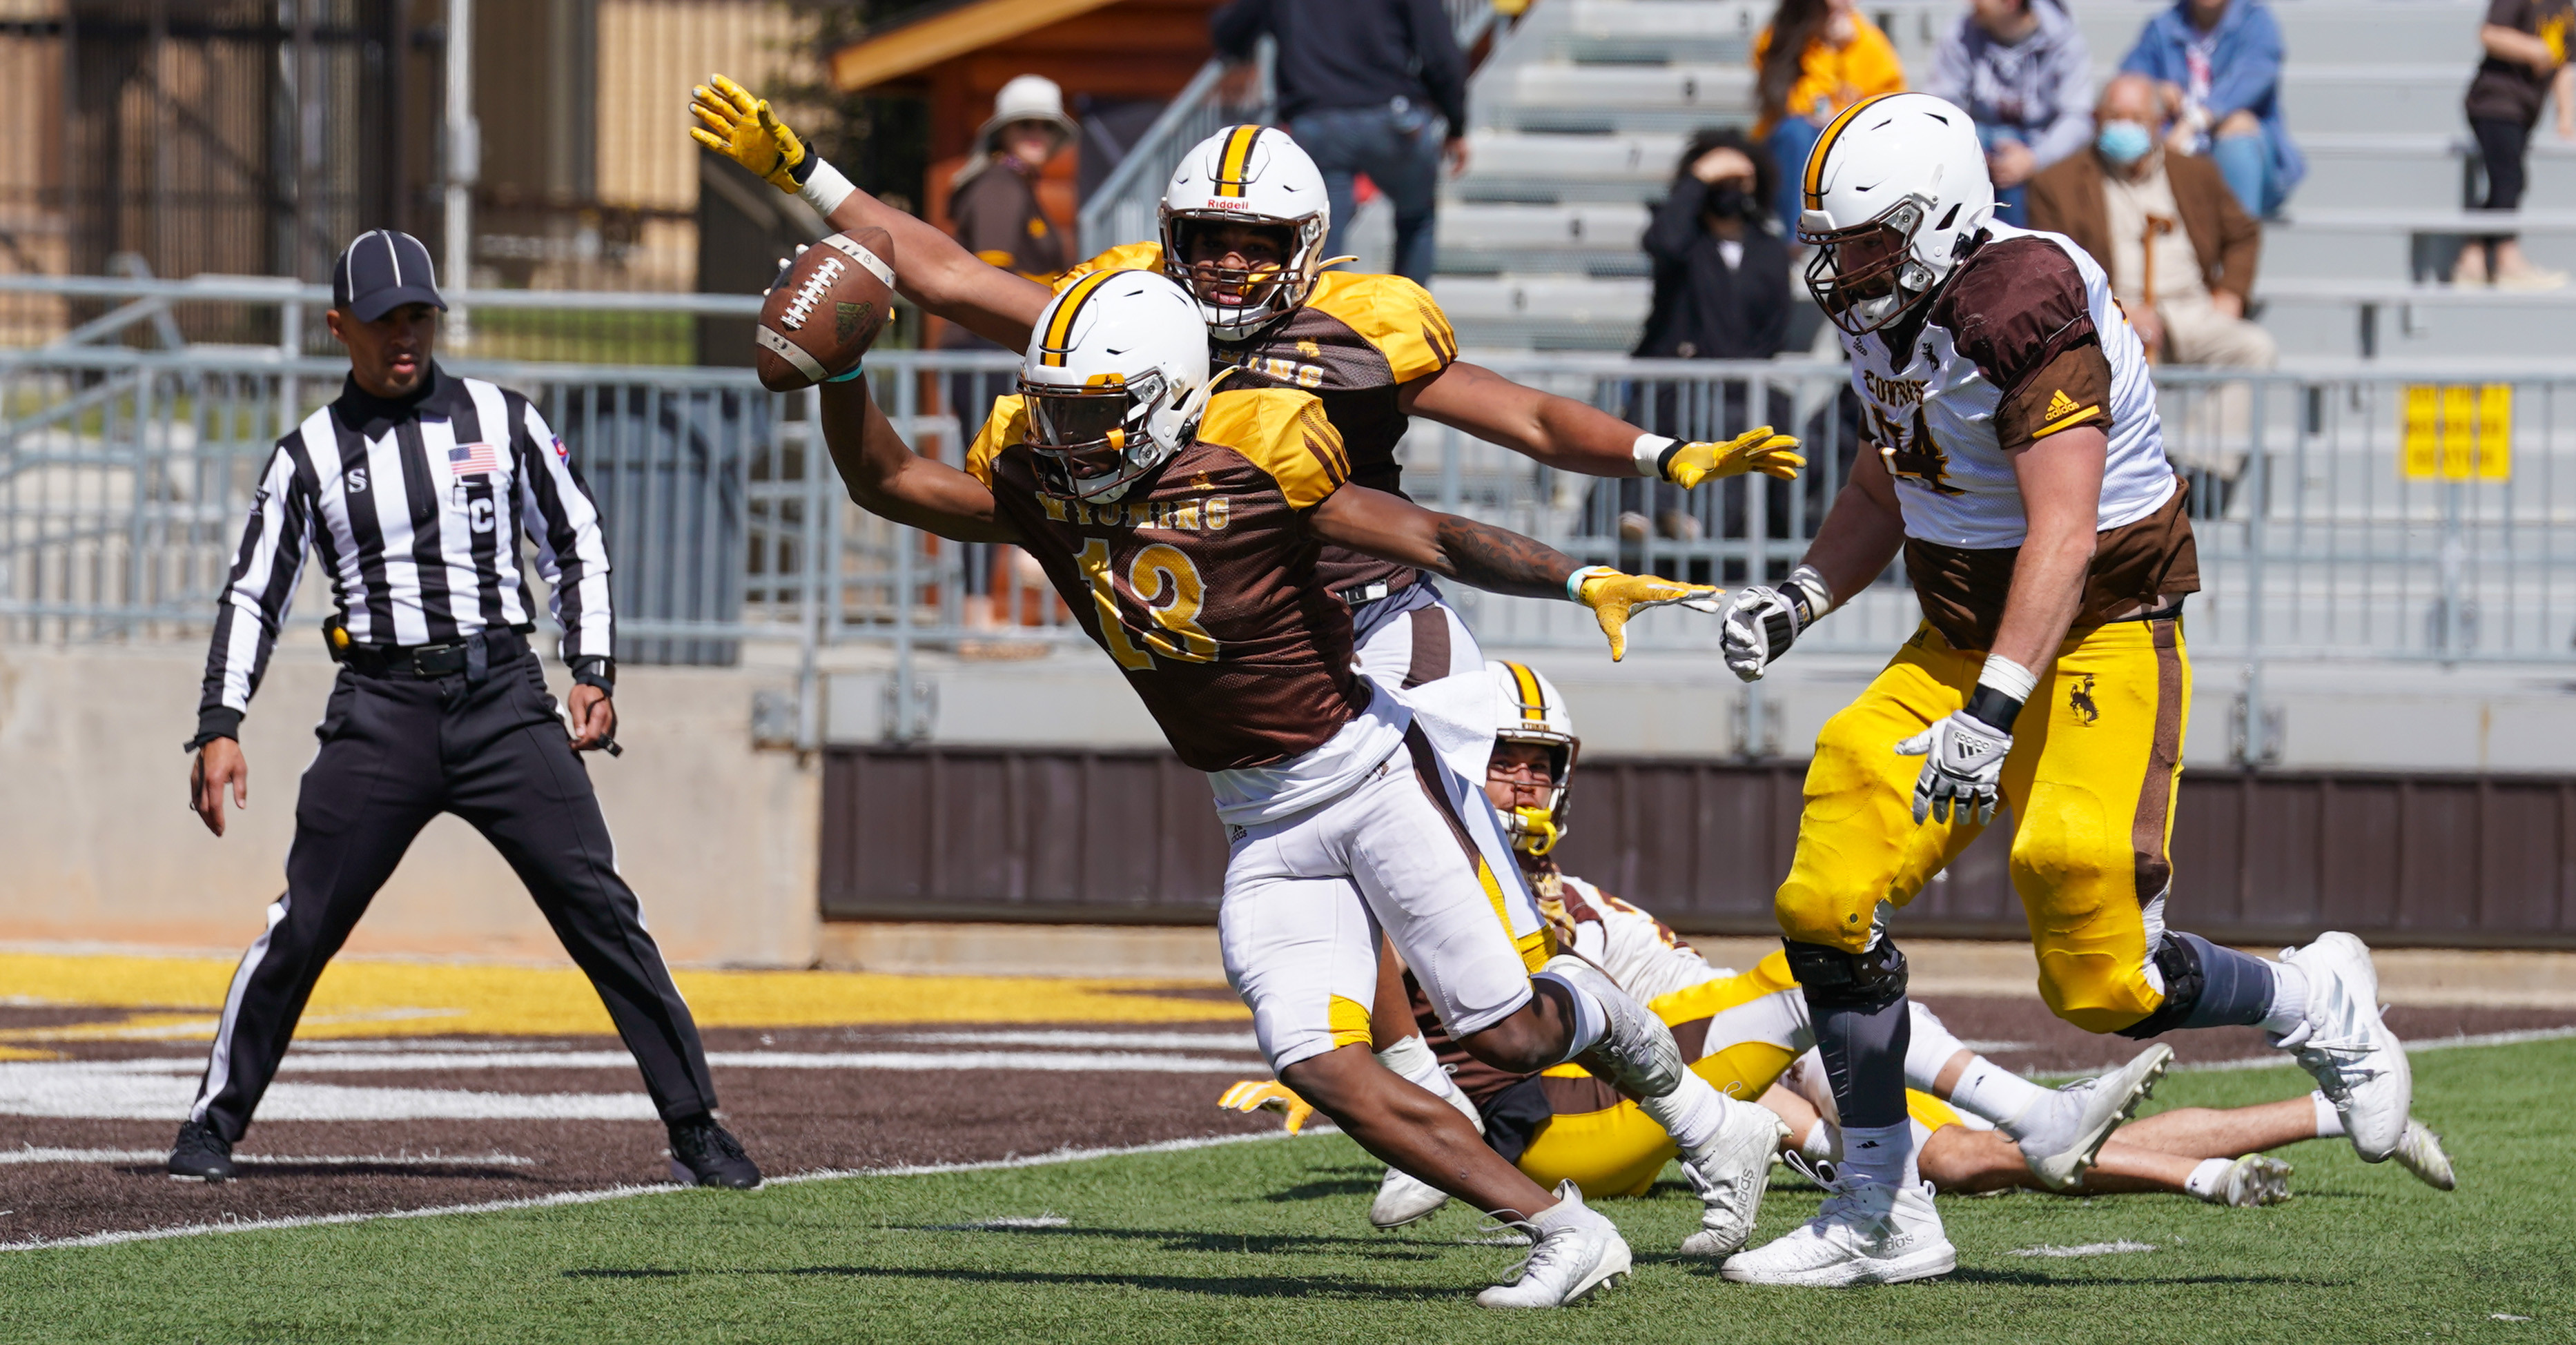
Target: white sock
[[1690, 1114], [2329, 1121], [1821, 1145], [1880, 1153], [2014, 1104], [2289, 999], [1412, 1061], [1928, 1049], [1590, 1019], [1563, 1211], [2208, 1180]]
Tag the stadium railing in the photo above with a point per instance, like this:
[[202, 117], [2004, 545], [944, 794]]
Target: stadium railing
[[2361, 514]]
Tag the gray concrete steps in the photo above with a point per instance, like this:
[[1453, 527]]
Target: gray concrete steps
[[1544, 312]]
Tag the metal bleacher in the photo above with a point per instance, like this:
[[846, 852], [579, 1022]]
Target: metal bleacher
[[1581, 112]]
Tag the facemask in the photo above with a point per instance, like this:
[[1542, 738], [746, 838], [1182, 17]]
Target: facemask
[[1729, 202], [2123, 142]]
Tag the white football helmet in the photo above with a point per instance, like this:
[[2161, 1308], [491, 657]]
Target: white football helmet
[[1527, 709], [1115, 379], [1896, 193], [1248, 175]]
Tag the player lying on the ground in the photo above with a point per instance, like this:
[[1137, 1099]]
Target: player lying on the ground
[[2213, 1154], [1181, 525], [1987, 1127], [1244, 218], [2020, 468]]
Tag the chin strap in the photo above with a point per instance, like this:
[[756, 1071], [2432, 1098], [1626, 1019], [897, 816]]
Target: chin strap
[[1538, 830], [1330, 262]]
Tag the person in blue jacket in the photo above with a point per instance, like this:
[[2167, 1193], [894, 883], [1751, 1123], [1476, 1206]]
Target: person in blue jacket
[[2219, 62]]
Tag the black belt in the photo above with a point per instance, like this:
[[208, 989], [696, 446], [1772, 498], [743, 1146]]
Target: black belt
[[2170, 611], [1360, 595], [471, 656]]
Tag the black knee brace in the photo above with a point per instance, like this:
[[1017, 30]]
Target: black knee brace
[[1865, 982], [2179, 963]]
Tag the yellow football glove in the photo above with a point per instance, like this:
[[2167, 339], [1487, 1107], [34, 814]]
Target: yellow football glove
[[1615, 597], [1252, 1095], [741, 127], [1753, 451]]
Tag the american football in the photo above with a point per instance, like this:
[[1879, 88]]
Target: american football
[[825, 310]]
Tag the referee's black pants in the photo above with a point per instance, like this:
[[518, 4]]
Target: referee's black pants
[[396, 753]]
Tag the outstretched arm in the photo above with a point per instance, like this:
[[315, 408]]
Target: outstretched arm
[[1574, 437], [888, 479], [1394, 528], [934, 271]]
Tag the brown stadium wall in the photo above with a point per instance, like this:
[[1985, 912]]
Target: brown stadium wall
[[1076, 837]]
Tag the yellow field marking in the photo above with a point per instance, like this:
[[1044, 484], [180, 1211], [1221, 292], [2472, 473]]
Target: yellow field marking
[[359, 998]]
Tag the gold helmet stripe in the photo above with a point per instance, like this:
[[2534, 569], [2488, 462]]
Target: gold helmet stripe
[[1825, 145], [1059, 332], [1533, 702], [1231, 165]]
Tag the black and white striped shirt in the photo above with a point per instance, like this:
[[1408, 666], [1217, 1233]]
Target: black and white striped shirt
[[409, 506]]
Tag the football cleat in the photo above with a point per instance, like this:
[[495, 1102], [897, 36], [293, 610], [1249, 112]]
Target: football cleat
[[2420, 1152], [2357, 1062], [1638, 1052], [201, 1155], [1578, 1253], [1867, 1233], [1403, 1198], [706, 1154], [2092, 1108], [1731, 1174], [2255, 1179]]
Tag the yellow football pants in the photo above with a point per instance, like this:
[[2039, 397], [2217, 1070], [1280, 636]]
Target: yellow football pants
[[2095, 759], [1618, 1151]]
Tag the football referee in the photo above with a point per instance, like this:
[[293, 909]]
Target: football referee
[[411, 489]]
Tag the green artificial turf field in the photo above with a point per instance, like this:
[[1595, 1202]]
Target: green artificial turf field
[[1265, 1242]]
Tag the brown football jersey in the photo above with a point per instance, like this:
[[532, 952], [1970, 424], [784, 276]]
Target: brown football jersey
[[1356, 340], [1200, 580]]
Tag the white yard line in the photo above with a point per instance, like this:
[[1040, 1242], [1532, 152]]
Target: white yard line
[[1133, 1041], [418, 1062], [1055, 1158], [35, 1155], [2417, 1047], [2085, 1249]]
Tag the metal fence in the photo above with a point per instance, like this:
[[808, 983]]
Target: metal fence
[[2376, 516]]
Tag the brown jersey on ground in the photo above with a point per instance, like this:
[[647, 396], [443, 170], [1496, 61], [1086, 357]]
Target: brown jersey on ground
[[1356, 340], [1200, 581]]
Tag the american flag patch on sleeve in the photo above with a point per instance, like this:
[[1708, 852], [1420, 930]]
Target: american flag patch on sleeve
[[472, 460]]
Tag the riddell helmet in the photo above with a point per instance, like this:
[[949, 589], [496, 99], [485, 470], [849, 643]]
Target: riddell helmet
[[1115, 379], [1249, 175], [1527, 709], [1895, 193]]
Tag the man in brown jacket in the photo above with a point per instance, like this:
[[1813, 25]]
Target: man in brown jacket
[[2179, 249]]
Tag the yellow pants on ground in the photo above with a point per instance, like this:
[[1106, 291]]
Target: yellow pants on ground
[[2096, 756], [1617, 1150]]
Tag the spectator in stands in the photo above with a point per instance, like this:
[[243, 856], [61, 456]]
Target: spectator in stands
[[1366, 86], [1816, 58], [2220, 64], [2021, 69], [2179, 248], [2526, 45]]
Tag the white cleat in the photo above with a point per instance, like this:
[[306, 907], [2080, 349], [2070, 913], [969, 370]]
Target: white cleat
[[2420, 1152], [1577, 1253], [2255, 1179], [1638, 1052], [2099, 1106], [1403, 1198], [1867, 1233], [2357, 1062], [1731, 1174]]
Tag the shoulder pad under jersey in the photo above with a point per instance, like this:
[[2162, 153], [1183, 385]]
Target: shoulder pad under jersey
[[1398, 317], [1008, 425], [1285, 433], [1124, 257]]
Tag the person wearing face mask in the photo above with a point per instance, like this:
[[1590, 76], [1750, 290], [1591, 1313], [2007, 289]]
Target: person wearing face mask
[[2020, 67]]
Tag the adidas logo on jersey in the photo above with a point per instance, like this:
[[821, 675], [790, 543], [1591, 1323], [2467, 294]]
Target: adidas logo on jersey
[[2060, 406]]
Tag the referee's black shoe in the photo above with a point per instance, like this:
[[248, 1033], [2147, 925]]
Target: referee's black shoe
[[201, 1155], [706, 1154]]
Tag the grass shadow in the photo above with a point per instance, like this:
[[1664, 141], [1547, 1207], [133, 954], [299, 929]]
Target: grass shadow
[[1215, 1286]]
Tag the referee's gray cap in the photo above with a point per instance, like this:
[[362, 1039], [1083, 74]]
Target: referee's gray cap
[[380, 272]]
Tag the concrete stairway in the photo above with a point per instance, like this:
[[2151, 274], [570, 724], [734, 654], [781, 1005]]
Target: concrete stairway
[[1581, 116]]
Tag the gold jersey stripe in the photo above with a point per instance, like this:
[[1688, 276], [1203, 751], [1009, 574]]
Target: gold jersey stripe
[[1825, 145], [1231, 165], [1059, 333]]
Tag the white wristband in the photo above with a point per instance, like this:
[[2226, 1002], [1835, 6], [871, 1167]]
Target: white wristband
[[1574, 582], [1649, 451], [2008, 677], [825, 189]]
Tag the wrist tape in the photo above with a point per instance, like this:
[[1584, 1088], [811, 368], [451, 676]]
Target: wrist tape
[[822, 185], [1652, 451], [1574, 582], [2001, 690]]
